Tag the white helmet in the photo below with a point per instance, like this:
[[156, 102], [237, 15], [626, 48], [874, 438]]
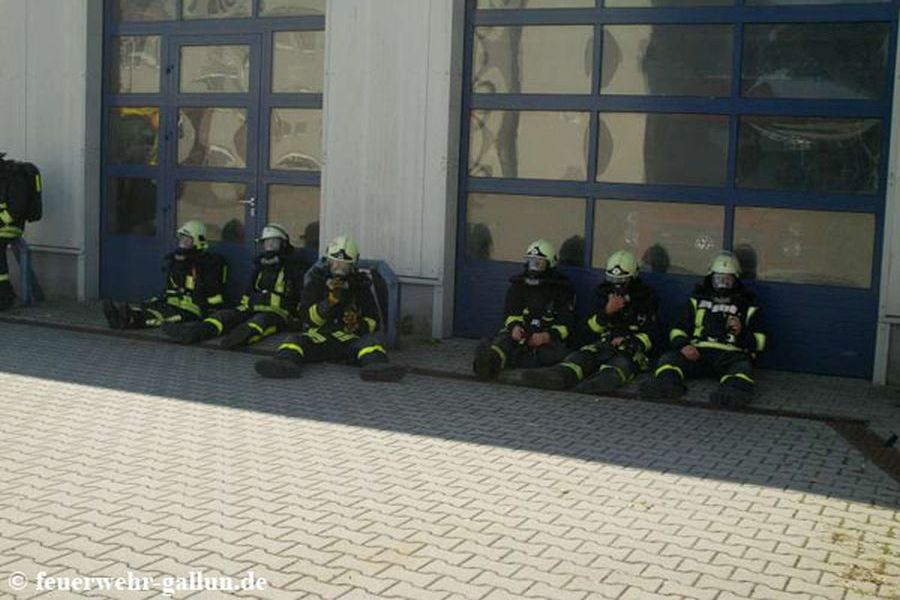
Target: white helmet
[[724, 271], [274, 238]]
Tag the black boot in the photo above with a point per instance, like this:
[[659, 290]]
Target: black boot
[[603, 382], [382, 371], [189, 333], [238, 336], [487, 364], [550, 378], [116, 314], [665, 387], [279, 368], [731, 396]]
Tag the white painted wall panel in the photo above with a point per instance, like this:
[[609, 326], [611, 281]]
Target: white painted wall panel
[[12, 77], [389, 130]]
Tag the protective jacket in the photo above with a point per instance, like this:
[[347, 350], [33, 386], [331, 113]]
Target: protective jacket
[[197, 282], [636, 321], [329, 308], [275, 286], [706, 320], [541, 303]]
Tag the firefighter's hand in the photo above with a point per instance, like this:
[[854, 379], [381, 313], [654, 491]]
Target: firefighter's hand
[[617, 341], [539, 339], [518, 333], [691, 353], [614, 304], [734, 325]]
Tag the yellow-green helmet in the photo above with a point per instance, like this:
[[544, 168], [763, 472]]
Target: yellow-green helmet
[[342, 255], [274, 238], [621, 267], [195, 231], [540, 256], [725, 263]]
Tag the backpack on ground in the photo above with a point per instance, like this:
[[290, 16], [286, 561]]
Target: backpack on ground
[[20, 189]]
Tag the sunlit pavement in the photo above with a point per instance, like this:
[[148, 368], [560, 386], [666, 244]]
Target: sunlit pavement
[[121, 456]]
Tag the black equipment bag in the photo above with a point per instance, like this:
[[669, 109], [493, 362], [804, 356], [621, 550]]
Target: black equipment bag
[[20, 189]]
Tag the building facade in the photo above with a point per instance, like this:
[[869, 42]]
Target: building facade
[[446, 134]]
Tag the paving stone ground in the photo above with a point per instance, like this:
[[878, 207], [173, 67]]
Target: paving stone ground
[[120, 454]]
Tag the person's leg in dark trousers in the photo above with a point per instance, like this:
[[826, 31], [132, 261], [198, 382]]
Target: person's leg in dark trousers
[[369, 354], [671, 372], [221, 321], [7, 295], [494, 356], [611, 375], [309, 346], [259, 326], [574, 368], [736, 383]]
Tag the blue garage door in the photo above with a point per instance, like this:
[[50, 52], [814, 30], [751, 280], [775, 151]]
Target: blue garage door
[[212, 111], [675, 128]]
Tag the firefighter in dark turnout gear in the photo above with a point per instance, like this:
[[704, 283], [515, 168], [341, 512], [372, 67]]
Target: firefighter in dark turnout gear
[[269, 305], [339, 306], [719, 334], [195, 282], [623, 327], [20, 184], [540, 317]]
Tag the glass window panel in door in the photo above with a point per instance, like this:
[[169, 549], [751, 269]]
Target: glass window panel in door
[[131, 206], [298, 62], [212, 137], [143, 10], [666, 60], [529, 144], [664, 3], [806, 246], [215, 69], [295, 139], [805, 153], [797, 2], [133, 136], [833, 60], [666, 237], [657, 148], [291, 8], [216, 9], [514, 4], [531, 60], [296, 208], [500, 226], [134, 64], [215, 203]]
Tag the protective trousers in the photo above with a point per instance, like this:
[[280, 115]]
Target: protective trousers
[[262, 324], [7, 295], [601, 356], [155, 312], [514, 354], [731, 367], [314, 345]]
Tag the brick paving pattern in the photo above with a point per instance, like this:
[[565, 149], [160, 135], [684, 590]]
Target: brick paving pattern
[[118, 454]]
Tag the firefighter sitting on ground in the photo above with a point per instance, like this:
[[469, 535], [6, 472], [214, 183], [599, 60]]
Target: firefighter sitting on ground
[[20, 201], [268, 306], [540, 316], [340, 307], [195, 282], [622, 329], [718, 334]]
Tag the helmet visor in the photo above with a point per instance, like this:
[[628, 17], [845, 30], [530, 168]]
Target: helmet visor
[[340, 267], [620, 278], [537, 264], [185, 242], [723, 281], [272, 244]]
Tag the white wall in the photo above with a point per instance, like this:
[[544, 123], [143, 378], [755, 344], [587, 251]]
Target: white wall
[[50, 94], [392, 89]]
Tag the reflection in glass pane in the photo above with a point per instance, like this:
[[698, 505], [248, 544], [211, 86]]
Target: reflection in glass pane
[[664, 3], [217, 69], [299, 62], [529, 144], [296, 208], [492, 4], [833, 60], [131, 206], [212, 137], [296, 139], [143, 10], [133, 135], [291, 8], [548, 60], [806, 246], [666, 60], [666, 237], [787, 153], [134, 65], [217, 9], [795, 2], [216, 203], [661, 148], [500, 227]]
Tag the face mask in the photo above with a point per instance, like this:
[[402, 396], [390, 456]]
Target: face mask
[[722, 281], [339, 268], [185, 242], [271, 245], [536, 264]]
